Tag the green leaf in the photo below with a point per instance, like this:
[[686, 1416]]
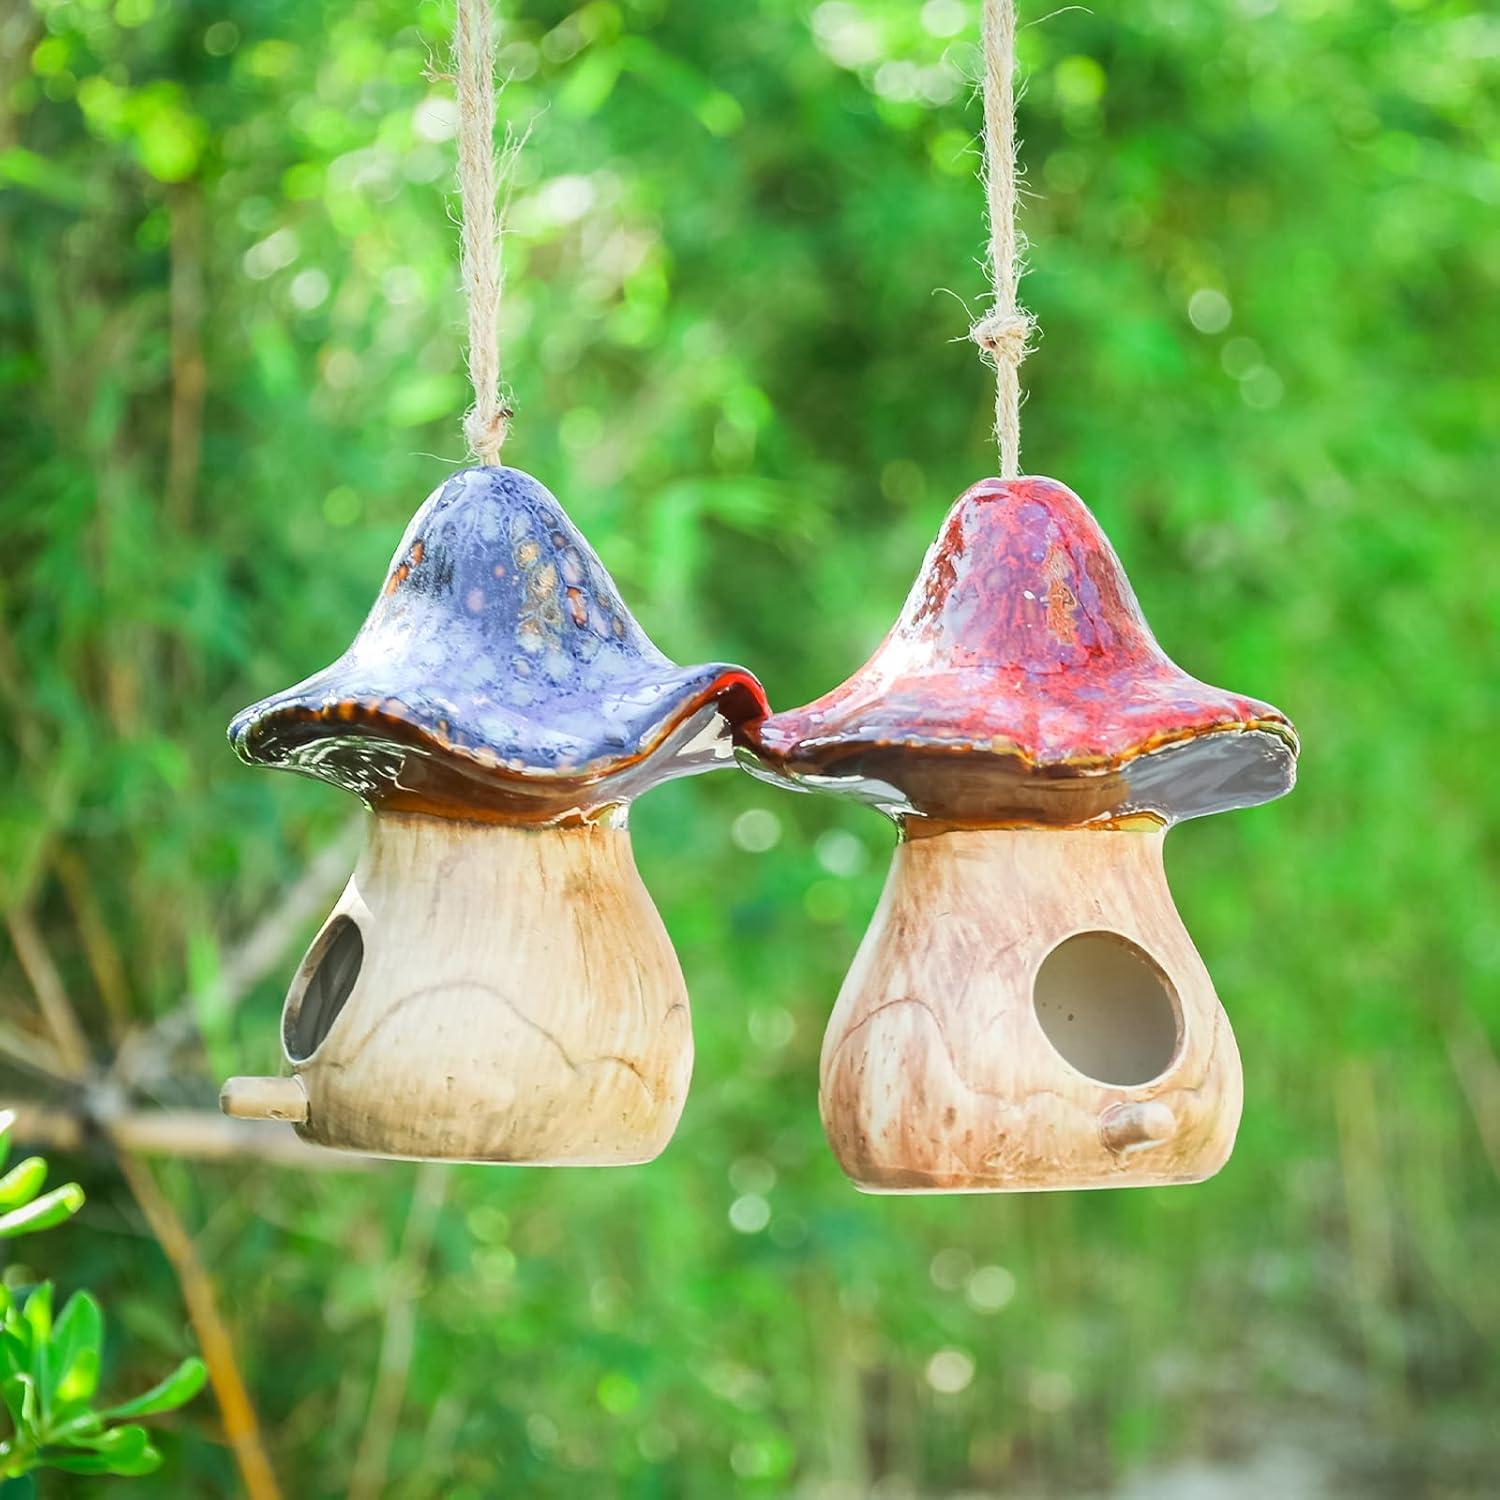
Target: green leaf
[[15, 1349], [13, 1391], [77, 1342], [38, 1315], [77, 1430], [44, 176], [126, 1450], [176, 1390], [7, 1119], [19, 1392], [169, 138], [51, 1208], [23, 1182], [424, 397], [116, 1440], [590, 83]]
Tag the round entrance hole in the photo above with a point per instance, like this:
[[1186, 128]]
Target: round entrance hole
[[328, 973], [1107, 1008]]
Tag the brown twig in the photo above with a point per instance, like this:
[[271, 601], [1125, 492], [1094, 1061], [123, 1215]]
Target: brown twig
[[240, 1424], [104, 960], [1478, 1074], [189, 377], [368, 1479], [1372, 1249], [51, 994]]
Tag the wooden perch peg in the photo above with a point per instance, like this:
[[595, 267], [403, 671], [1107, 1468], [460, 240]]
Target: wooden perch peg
[[495, 983], [1026, 1010], [264, 1099]]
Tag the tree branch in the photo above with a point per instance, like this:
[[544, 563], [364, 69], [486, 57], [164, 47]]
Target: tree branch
[[31, 1054], [189, 1134]]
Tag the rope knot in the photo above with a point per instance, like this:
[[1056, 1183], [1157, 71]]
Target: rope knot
[[1004, 337], [486, 432]]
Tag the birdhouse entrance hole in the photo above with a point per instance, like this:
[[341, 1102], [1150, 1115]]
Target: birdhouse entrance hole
[[1107, 1009], [327, 976]]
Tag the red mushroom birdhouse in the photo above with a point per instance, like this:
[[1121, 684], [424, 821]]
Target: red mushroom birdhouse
[[495, 983], [1027, 1009]]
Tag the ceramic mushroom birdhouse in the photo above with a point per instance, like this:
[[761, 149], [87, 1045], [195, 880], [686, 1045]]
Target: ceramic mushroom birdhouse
[[495, 983], [1026, 1009]]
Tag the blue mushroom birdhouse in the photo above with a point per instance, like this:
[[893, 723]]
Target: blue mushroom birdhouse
[[495, 983]]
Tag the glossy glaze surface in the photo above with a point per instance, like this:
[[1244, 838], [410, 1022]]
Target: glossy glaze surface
[[1022, 683], [499, 674]]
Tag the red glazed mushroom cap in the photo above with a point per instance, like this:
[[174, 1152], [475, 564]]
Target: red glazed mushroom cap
[[1022, 683]]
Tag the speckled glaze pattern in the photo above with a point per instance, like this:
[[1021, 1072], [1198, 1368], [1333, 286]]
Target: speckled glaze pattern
[[1021, 682], [499, 675]]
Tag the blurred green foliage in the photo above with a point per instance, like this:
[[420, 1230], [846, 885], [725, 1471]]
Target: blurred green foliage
[[1264, 260], [49, 1367]]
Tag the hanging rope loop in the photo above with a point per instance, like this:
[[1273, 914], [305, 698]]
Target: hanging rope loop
[[1004, 333], [487, 423]]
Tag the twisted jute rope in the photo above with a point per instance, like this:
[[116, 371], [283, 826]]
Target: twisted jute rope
[[1004, 333], [488, 421]]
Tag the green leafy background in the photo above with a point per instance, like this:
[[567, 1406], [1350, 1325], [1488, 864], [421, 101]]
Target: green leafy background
[[49, 1366], [1264, 260]]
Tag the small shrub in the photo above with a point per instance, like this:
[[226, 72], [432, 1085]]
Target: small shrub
[[49, 1367]]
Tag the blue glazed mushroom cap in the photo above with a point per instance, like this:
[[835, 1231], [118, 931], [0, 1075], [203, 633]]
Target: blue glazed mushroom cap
[[499, 675]]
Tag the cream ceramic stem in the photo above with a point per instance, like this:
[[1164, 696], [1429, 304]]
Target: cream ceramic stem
[[511, 996], [946, 1062]]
